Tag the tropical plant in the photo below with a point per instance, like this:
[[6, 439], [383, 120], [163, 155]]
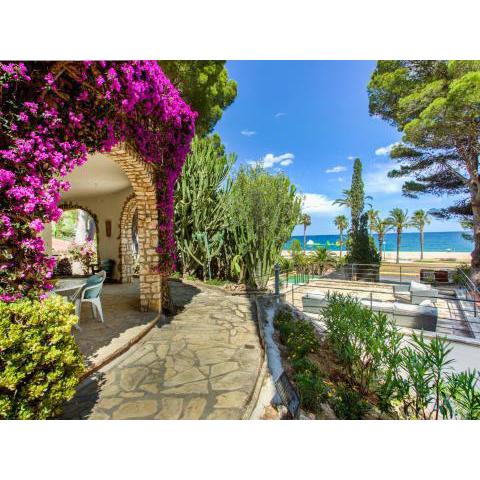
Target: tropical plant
[[201, 218], [435, 104], [40, 363], [341, 223], [420, 218], [306, 221], [322, 259], [399, 220], [263, 209], [372, 218], [381, 228]]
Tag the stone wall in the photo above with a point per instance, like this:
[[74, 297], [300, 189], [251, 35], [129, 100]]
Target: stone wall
[[143, 180]]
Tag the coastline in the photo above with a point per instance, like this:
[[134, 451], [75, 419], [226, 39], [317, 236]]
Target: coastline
[[462, 257]]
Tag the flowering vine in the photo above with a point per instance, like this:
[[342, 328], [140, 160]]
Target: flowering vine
[[52, 114]]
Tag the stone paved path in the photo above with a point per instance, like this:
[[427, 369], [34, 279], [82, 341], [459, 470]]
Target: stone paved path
[[202, 365]]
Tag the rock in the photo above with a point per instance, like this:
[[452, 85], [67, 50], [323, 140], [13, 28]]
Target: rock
[[231, 400], [194, 408], [130, 377], [136, 409], [171, 409]]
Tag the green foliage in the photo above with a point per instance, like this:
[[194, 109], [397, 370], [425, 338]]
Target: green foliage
[[40, 364], [365, 342], [381, 227], [362, 248], [201, 208], [312, 390], [465, 396], [348, 404], [419, 375], [298, 336], [263, 210], [357, 195], [322, 259], [64, 229], [205, 86], [435, 104], [399, 220]]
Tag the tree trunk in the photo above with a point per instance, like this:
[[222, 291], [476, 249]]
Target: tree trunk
[[475, 195], [421, 244], [399, 237], [304, 238], [341, 244], [380, 250]]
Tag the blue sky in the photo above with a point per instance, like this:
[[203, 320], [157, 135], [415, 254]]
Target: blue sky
[[310, 119]]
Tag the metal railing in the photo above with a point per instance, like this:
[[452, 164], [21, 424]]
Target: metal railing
[[454, 316]]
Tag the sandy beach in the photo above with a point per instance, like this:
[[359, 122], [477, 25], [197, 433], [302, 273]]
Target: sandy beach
[[462, 257]]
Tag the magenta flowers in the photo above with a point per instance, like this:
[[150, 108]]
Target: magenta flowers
[[52, 115]]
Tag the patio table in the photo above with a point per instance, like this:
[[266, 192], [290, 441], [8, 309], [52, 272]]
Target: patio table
[[71, 288]]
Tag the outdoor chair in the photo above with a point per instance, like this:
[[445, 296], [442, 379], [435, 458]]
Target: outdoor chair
[[91, 294]]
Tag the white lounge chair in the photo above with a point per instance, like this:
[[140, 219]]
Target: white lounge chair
[[91, 294]]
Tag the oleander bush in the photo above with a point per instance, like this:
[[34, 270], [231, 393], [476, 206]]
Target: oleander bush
[[40, 363], [367, 343], [312, 389]]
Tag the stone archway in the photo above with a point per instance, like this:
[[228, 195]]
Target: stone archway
[[126, 239], [142, 177]]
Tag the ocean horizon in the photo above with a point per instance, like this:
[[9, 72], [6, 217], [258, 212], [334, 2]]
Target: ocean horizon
[[434, 242]]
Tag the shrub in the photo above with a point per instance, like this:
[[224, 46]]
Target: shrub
[[299, 337], [465, 397], [84, 253], [348, 404], [63, 268], [367, 343], [40, 364], [311, 389]]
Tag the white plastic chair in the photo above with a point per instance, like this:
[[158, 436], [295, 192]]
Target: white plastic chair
[[91, 294]]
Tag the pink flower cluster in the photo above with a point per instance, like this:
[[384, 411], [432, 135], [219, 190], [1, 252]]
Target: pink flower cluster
[[53, 115]]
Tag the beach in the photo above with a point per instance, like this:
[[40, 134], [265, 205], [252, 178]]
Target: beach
[[460, 257]]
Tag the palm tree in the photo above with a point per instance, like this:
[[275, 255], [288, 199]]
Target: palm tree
[[372, 217], [306, 221], [381, 227], [346, 200], [322, 259], [341, 223], [399, 220], [420, 218]]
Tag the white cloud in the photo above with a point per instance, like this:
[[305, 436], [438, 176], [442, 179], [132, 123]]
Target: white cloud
[[248, 133], [385, 150], [319, 203], [279, 114], [351, 157], [336, 169], [269, 160], [377, 181]]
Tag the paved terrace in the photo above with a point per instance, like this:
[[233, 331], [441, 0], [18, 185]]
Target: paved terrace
[[451, 320], [203, 364]]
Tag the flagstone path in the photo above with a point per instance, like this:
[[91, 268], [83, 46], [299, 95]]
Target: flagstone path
[[204, 364]]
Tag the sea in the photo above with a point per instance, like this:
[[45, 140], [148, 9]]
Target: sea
[[434, 242]]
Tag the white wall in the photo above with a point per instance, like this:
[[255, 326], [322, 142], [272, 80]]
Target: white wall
[[105, 207]]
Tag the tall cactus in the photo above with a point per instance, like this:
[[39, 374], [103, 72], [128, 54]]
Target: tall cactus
[[200, 205], [263, 210]]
